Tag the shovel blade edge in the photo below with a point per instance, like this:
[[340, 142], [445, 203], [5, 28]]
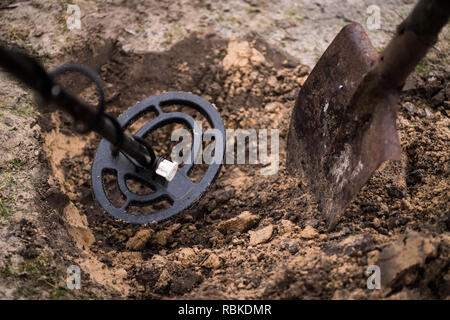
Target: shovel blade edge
[[335, 145]]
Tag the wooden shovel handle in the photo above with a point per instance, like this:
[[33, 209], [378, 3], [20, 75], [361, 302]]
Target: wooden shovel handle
[[414, 37]]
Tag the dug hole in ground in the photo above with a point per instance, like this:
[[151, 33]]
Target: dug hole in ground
[[250, 236]]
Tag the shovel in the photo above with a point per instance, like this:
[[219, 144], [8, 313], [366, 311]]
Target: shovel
[[343, 125]]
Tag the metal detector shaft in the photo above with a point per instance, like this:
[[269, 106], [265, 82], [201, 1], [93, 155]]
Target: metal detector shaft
[[29, 71]]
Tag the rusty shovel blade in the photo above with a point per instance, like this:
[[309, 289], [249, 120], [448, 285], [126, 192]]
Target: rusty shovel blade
[[343, 125], [335, 144]]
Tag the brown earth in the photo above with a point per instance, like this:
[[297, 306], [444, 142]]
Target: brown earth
[[250, 235]]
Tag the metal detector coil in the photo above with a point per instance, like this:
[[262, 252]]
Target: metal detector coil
[[181, 192]]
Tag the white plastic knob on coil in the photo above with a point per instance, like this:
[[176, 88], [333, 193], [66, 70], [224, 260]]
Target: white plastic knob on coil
[[167, 169]]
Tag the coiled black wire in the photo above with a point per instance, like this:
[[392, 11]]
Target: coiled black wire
[[72, 67], [101, 108]]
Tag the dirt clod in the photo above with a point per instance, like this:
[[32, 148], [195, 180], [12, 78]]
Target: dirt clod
[[139, 240], [308, 233], [164, 236], [261, 236], [401, 260], [212, 262], [239, 224]]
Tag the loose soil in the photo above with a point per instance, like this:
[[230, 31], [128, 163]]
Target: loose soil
[[251, 235]]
